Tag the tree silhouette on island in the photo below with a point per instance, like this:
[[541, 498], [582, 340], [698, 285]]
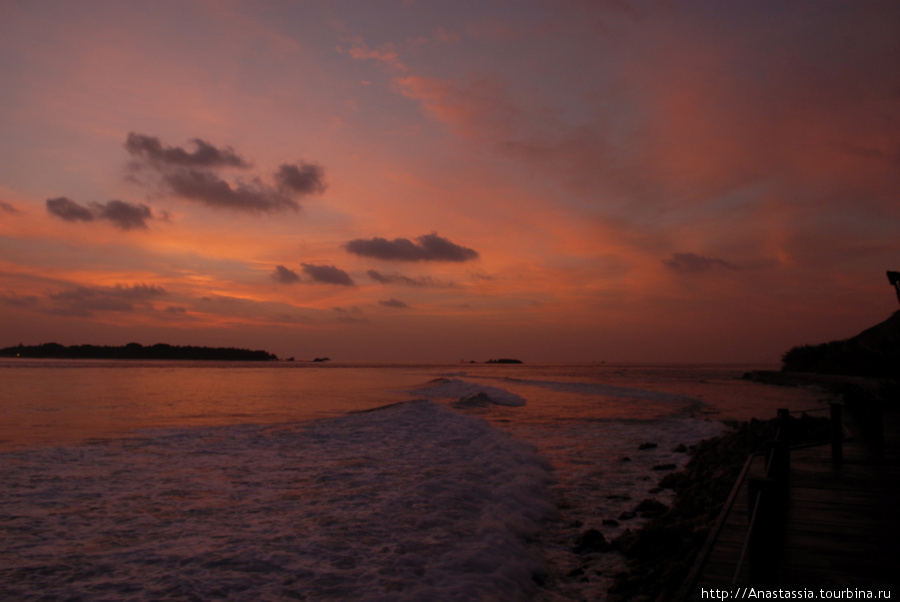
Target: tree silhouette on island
[[875, 352], [136, 351]]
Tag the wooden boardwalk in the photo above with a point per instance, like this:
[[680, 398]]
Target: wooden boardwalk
[[842, 526]]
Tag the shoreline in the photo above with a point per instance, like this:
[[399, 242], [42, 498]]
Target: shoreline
[[661, 554]]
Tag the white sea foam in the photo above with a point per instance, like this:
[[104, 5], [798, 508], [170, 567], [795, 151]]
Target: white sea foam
[[586, 388], [468, 392], [411, 502]]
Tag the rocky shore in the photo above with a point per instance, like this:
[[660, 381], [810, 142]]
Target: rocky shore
[[661, 554]]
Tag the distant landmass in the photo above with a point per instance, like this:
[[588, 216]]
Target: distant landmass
[[504, 360], [136, 351], [875, 352]]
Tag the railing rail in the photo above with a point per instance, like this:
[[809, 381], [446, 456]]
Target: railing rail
[[767, 508]]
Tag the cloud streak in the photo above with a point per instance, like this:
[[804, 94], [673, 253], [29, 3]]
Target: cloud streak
[[86, 300], [400, 279], [394, 303], [68, 210], [691, 263], [151, 150], [209, 189], [327, 274], [125, 216], [302, 178], [285, 275], [429, 247]]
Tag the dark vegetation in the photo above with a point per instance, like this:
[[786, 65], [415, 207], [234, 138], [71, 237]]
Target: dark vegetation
[[874, 353], [662, 553], [136, 351]]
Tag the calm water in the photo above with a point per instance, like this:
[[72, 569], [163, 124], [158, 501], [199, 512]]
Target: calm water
[[269, 481]]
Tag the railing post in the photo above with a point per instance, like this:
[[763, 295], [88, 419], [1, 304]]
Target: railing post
[[784, 425], [837, 433], [876, 426], [765, 531], [779, 461]]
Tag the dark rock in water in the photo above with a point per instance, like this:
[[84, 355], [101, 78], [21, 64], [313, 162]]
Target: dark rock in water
[[625, 459], [656, 490], [651, 508], [665, 467], [610, 522], [590, 541], [627, 515], [681, 449], [647, 446], [673, 481], [618, 496]]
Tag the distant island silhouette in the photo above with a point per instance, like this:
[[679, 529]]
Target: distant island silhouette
[[504, 360], [136, 351]]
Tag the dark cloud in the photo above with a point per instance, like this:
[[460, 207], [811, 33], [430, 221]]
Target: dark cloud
[[84, 300], [693, 263], [284, 275], [8, 208], [394, 303], [303, 178], [151, 149], [126, 216], [327, 274], [195, 176], [430, 247], [15, 300], [211, 190], [69, 210], [400, 279]]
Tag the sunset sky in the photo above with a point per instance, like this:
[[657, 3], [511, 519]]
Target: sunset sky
[[443, 180]]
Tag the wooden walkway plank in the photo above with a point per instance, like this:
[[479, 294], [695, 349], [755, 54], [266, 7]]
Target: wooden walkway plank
[[842, 524]]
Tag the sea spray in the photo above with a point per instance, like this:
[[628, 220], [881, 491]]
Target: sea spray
[[414, 501]]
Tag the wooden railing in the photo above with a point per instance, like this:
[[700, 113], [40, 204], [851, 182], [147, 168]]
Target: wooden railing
[[768, 494], [767, 509]]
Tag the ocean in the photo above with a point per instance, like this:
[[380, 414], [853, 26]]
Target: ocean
[[295, 480]]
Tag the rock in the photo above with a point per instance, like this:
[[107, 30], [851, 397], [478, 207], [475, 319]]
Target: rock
[[648, 445], [625, 459], [673, 480], [681, 449], [665, 467], [651, 508], [590, 541], [627, 515], [610, 522]]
